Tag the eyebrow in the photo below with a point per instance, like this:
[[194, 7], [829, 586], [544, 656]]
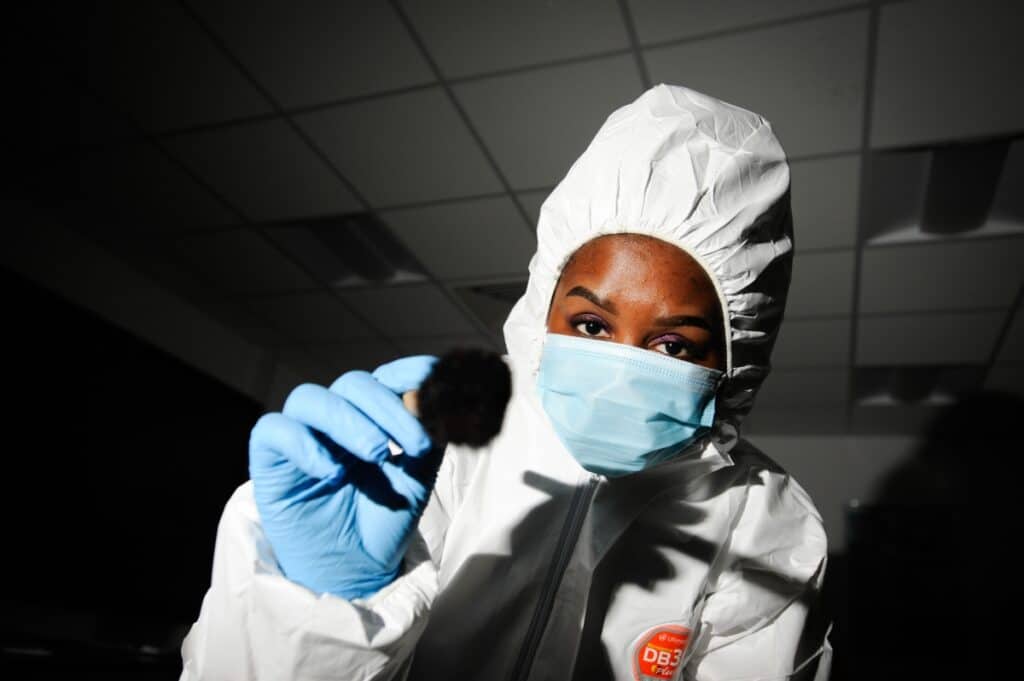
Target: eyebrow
[[584, 292], [683, 320], [678, 320]]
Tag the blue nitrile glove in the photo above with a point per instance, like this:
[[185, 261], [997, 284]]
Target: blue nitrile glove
[[337, 508]]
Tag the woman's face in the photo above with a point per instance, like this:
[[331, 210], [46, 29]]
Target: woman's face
[[641, 291]]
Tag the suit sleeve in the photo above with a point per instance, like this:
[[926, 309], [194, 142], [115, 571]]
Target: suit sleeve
[[256, 624], [763, 620]]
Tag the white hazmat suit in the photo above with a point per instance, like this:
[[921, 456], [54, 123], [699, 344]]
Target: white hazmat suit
[[526, 566]]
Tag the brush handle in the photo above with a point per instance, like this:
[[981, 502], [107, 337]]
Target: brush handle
[[410, 399]]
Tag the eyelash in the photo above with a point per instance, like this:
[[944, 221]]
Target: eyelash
[[588, 319], [686, 349]]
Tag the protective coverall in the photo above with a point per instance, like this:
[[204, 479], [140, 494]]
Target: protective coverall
[[526, 566]]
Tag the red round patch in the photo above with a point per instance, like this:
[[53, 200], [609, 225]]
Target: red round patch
[[659, 651]]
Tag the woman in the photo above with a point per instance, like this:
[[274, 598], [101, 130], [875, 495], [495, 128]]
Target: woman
[[618, 527]]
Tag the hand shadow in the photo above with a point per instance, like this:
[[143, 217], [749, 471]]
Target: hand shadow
[[370, 480], [455, 645], [637, 557], [509, 584]]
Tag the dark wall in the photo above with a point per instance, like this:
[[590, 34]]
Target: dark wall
[[118, 461]]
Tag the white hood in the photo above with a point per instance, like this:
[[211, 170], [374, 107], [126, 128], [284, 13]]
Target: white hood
[[706, 176]]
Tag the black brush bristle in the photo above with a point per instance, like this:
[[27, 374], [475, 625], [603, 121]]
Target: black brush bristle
[[463, 399]]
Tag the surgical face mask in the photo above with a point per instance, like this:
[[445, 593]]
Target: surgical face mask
[[620, 409]]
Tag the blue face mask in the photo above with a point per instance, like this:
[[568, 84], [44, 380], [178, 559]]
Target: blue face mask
[[619, 409]]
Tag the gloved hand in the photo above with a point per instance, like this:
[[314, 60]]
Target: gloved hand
[[337, 508]]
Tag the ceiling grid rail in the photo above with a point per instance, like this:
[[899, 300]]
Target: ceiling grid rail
[[874, 21]]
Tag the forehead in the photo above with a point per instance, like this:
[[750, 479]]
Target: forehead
[[639, 259]]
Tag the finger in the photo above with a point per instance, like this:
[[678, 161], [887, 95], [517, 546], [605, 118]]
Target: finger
[[282, 451], [405, 374], [384, 408], [333, 415], [386, 530]]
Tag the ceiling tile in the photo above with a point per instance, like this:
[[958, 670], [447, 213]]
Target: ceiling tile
[[316, 316], [304, 247], [241, 261], [913, 340], [807, 78], [466, 37], [822, 285], [537, 123], [409, 311], [136, 189], [467, 239], [946, 70], [439, 345], [306, 368], [824, 196], [1011, 348], [944, 276], [341, 49], [155, 257], [661, 20], [363, 356], [238, 316], [403, 149], [804, 387], [812, 343], [265, 170], [156, 63], [531, 203], [356, 249], [491, 302]]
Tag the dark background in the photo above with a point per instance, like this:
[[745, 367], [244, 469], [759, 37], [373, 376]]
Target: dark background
[[118, 461]]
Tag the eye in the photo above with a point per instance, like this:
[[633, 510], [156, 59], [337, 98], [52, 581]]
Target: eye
[[591, 327], [674, 348]]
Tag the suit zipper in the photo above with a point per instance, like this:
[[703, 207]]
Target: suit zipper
[[578, 508]]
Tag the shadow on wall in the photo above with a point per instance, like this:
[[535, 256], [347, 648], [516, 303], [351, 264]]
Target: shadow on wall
[[917, 553]]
